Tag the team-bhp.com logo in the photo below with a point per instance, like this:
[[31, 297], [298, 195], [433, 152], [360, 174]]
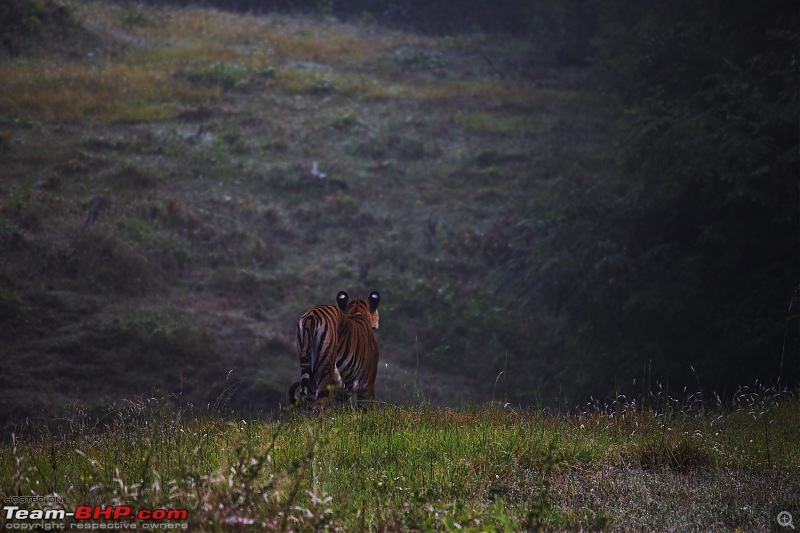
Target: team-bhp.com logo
[[94, 517]]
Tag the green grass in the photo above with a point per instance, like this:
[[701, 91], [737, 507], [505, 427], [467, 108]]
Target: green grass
[[423, 468]]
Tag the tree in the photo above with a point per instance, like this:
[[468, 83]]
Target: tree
[[699, 256]]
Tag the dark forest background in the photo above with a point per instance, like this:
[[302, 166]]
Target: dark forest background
[[684, 266]]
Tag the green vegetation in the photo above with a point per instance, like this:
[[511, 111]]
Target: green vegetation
[[618, 467]]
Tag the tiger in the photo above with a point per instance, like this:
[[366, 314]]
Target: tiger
[[338, 349]]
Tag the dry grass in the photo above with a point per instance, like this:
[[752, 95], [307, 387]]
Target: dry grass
[[506, 124], [295, 81], [277, 37], [487, 92], [174, 58], [169, 55], [75, 92]]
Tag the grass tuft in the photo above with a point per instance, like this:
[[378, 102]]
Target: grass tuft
[[682, 454]]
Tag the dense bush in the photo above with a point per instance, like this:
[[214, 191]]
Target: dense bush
[[689, 262], [21, 19]]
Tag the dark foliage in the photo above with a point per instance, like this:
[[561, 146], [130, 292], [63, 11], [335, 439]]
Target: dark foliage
[[688, 265], [436, 15], [20, 20]]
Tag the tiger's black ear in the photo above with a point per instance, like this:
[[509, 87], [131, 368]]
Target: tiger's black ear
[[374, 300], [341, 300]]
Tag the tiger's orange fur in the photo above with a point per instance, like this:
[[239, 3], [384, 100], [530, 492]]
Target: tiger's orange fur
[[337, 347]]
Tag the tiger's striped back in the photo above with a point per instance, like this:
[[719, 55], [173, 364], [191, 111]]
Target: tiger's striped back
[[337, 347]]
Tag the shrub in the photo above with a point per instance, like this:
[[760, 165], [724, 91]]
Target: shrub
[[22, 19]]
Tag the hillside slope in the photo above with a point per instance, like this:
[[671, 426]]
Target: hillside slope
[[162, 224]]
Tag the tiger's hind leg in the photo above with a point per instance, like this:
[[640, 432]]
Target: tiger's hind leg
[[339, 388], [307, 351], [292, 393], [300, 400], [363, 396]]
